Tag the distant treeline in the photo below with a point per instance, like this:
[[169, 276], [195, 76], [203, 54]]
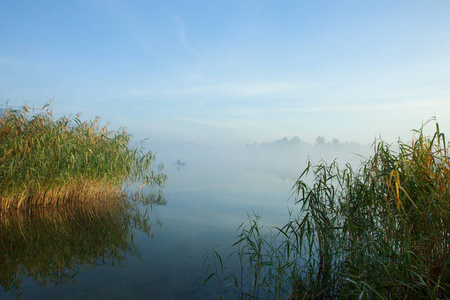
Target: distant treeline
[[296, 144]]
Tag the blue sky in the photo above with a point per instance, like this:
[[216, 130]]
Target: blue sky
[[232, 71]]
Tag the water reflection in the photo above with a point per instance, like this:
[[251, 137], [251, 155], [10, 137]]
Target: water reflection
[[51, 246]]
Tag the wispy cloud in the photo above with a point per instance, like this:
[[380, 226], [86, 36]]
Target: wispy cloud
[[333, 107], [182, 36], [236, 90], [211, 123], [7, 61], [389, 106]]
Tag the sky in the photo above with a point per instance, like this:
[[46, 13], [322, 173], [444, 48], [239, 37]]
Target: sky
[[232, 71]]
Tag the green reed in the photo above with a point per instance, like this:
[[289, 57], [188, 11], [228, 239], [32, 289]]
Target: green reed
[[380, 231], [49, 162]]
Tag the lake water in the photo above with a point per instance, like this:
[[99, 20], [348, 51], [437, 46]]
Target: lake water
[[207, 200]]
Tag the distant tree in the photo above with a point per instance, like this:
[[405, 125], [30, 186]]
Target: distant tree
[[335, 142], [296, 140], [320, 140], [283, 141]]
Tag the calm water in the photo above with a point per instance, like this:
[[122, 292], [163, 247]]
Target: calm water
[[207, 199]]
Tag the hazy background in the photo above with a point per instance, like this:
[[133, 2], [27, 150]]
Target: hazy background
[[227, 73]]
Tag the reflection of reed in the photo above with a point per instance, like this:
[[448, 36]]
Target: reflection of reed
[[51, 245]]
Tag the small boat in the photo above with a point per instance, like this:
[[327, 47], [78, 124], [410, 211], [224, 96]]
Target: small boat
[[179, 163]]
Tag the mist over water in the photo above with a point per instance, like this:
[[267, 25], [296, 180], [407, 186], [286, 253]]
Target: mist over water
[[284, 158], [237, 180]]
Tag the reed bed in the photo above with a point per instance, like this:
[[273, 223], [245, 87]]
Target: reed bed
[[381, 231], [50, 162]]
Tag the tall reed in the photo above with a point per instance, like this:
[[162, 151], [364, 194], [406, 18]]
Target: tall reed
[[381, 231], [49, 162]]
